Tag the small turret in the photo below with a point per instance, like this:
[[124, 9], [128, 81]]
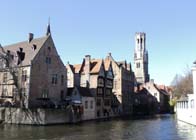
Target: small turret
[[48, 28]]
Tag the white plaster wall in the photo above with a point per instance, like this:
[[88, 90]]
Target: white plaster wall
[[88, 113]]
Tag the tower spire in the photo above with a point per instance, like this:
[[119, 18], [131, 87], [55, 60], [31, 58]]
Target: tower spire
[[48, 27]]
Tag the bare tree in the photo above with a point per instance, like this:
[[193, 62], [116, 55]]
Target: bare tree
[[183, 84], [14, 68]]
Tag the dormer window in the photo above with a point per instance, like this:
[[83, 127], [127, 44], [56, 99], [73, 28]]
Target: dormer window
[[34, 47]]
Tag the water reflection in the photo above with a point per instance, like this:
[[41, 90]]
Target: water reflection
[[157, 128], [186, 131]]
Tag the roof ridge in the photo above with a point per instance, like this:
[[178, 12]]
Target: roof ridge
[[26, 41]]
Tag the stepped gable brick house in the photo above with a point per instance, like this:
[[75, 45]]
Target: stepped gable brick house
[[93, 74], [123, 84], [41, 73]]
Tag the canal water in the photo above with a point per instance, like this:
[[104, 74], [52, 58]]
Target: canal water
[[160, 127]]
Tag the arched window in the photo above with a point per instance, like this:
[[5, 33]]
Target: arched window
[[192, 103]]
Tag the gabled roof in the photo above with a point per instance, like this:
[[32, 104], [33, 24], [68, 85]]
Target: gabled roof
[[77, 68], [29, 48], [161, 89], [71, 67], [110, 58], [95, 65], [119, 64], [122, 63], [107, 63]]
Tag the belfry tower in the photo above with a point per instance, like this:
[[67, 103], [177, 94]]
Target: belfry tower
[[141, 58]]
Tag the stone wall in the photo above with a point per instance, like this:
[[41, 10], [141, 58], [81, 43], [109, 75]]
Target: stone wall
[[36, 116]]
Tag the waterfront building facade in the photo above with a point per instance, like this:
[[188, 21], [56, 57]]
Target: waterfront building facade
[[82, 103], [41, 75], [144, 103], [186, 108], [96, 75], [161, 94], [123, 84]]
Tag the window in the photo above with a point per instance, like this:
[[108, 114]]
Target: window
[[4, 77], [98, 102], [107, 102], [192, 103], [62, 79], [44, 93], [86, 104], [137, 65], [99, 91], [109, 83], [48, 60], [14, 91], [24, 75], [54, 79], [141, 40], [100, 82], [138, 41], [98, 113], [91, 105], [34, 47], [62, 94], [49, 48], [108, 92], [4, 92]]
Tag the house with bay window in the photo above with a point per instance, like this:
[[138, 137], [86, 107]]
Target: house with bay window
[[123, 85], [97, 75]]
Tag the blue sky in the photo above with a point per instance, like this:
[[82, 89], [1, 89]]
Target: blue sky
[[96, 27]]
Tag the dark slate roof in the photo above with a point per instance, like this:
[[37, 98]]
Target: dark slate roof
[[28, 48]]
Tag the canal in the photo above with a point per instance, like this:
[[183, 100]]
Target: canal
[[161, 127]]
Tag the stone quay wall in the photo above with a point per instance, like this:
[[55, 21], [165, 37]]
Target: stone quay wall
[[37, 116]]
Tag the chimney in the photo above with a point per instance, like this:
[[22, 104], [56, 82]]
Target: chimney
[[152, 81], [87, 68], [87, 59], [30, 37]]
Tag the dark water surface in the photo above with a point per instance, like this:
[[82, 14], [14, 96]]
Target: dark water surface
[[164, 127]]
